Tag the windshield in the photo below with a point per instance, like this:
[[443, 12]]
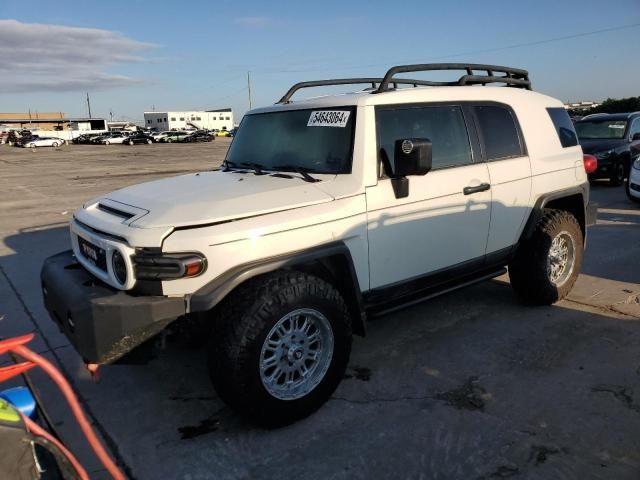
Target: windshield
[[593, 129], [316, 140]]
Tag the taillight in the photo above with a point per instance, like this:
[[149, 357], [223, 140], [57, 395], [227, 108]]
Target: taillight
[[590, 163]]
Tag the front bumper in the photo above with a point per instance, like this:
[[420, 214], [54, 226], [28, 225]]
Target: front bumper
[[102, 323]]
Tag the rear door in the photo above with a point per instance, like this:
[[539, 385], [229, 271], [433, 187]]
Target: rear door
[[438, 225], [504, 150]]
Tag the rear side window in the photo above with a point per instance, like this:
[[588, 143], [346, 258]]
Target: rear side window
[[499, 132], [564, 127], [444, 126]]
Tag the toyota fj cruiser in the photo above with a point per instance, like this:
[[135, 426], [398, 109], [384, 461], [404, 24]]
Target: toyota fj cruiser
[[324, 212]]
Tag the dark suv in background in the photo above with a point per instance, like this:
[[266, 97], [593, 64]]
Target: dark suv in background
[[610, 137]]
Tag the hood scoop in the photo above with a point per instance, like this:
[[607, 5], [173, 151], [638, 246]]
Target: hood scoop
[[112, 210], [115, 211]]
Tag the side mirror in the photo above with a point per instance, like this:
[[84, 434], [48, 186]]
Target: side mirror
[[635, 137], [412, 156]]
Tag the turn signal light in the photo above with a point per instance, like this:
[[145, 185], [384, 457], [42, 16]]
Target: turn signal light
[[193, 267], [590, 163]]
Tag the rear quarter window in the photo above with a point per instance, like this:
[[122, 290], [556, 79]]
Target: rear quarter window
[[499, 132], [564, 127]]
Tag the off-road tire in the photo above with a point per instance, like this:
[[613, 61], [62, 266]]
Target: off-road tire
[[616, 176], [528, 270], [241, 324]]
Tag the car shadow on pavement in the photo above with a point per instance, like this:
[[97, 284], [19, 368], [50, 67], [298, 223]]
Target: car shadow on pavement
[[464, 386], [468, 385]]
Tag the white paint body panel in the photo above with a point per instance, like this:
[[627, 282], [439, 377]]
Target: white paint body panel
[[436, 226], [236, 218]]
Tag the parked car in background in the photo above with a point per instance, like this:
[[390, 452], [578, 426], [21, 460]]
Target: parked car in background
[[157, 136], [85, 139], [633, 184], [610, 138], [97, 139], [175, 137], [199, 137], [35, 142], [138, 138], [222, 133], [117, 138]]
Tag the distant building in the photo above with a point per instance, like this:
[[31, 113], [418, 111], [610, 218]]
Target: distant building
[[53, 124], [581, 106], [208, 119], [116, 126], [42, 120]]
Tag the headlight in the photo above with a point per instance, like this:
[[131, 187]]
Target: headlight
[[119, 267], [636, 163], [150, 266]]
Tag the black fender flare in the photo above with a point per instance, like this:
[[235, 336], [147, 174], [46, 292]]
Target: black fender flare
[[540, 204], [209, 295]]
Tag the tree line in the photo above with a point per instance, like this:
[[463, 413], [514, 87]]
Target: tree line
[[619, 105]]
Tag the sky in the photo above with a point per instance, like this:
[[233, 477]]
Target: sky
[[134, 56]]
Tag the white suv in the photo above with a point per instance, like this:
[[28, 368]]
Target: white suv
[[327, 211]]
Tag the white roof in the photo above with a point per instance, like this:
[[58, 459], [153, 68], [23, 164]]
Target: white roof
[[508, 95]]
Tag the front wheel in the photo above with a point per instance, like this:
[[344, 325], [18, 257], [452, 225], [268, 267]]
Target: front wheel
[[546, 265], [280, 347], [54, 144], [149, 142], [630, 195]]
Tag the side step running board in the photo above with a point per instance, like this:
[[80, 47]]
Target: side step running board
[[428, 294]]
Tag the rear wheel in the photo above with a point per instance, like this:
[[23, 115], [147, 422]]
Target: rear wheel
[[280, 347], [547, 265], [149, 142], [54, 144], [616, 176]]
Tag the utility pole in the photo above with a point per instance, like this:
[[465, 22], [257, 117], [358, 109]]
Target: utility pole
[[249, 87], [88, 105]]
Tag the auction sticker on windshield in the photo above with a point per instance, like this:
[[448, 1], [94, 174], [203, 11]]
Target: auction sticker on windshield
[[328, 118]]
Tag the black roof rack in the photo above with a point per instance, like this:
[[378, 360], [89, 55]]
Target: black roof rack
[[347, 81], [511, 77]]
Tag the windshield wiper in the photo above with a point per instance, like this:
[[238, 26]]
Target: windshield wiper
[[301, 170], [256, 167]]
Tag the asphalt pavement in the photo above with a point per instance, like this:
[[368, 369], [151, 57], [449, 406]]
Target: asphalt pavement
[[471, 385]]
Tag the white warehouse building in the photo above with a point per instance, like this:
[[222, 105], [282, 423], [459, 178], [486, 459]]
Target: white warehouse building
[[209, 119]]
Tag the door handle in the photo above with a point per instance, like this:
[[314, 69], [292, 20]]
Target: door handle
[[483, 187]]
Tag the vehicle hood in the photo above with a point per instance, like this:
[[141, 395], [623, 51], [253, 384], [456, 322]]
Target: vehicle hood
[[595, 146], [211, 197]]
